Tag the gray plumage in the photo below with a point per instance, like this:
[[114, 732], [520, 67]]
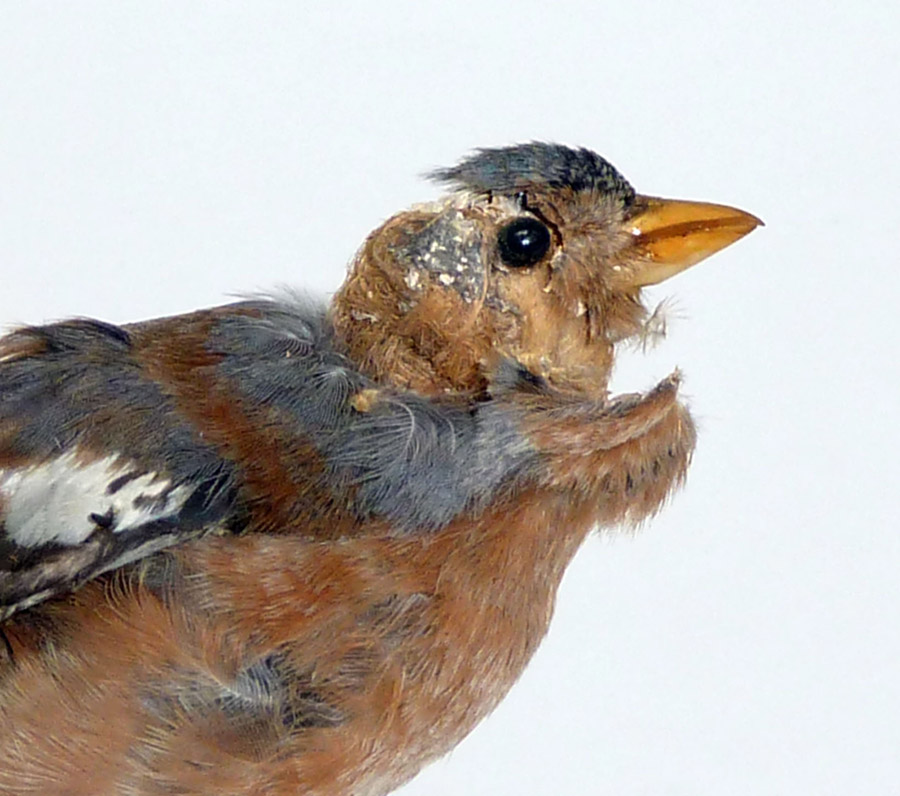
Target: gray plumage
[[414, 462], [509, 170]]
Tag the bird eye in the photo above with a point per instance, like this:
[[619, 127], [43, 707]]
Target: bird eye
[[523, 242]]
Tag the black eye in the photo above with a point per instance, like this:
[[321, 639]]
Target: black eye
[[523, 242]]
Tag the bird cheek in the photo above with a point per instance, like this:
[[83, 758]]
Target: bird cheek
[[549, 335]]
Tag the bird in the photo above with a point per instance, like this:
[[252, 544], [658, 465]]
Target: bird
[[290, 546]]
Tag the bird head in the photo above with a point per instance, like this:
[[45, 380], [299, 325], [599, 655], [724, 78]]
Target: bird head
[[538, 255]]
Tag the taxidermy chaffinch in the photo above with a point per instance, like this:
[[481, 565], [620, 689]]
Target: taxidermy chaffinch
[[278, 547]]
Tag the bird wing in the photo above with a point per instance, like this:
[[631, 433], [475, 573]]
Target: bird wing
[[97, 468], [118, 442]]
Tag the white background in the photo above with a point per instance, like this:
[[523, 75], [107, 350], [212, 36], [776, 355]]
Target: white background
[[157, 156]]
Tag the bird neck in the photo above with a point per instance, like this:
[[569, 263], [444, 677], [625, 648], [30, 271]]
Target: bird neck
[[428, 340]]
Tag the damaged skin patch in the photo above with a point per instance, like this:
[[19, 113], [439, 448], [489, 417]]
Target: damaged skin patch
[[448, 250]]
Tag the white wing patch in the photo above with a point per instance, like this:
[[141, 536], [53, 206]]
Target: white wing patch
[[65, 500]]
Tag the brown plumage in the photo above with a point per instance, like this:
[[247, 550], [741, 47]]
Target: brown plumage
[[317, 547]]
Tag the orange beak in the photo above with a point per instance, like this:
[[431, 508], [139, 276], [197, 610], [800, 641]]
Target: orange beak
[[671, 235]]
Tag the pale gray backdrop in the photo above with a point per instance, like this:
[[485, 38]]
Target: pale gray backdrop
[[157, 156]]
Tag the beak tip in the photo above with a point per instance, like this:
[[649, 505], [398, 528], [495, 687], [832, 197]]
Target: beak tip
[[752, 221]]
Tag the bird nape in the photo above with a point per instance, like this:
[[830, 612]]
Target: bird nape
[[278, 547]]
